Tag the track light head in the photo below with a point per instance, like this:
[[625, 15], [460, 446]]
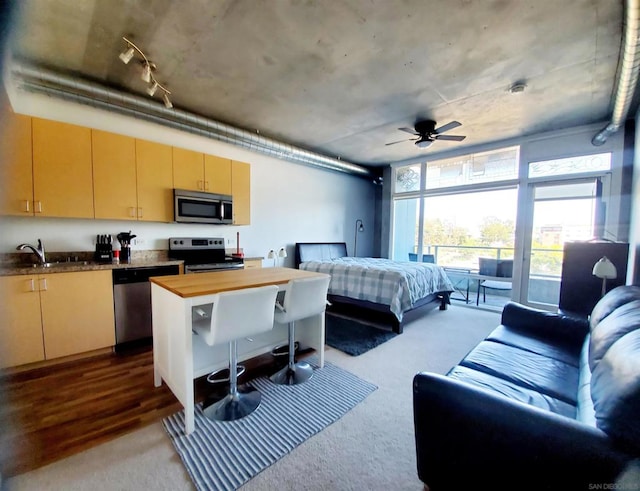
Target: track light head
[[126, 55], [146, 72], [167, 102], [152, 88]]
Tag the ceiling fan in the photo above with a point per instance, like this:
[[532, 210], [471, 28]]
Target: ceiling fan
[[427, 133]]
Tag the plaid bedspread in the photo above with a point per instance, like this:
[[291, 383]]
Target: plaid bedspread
[[394, 283]]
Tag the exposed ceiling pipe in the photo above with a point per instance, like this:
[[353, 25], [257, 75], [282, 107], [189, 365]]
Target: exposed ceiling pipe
[[42, 80], [627, 77]]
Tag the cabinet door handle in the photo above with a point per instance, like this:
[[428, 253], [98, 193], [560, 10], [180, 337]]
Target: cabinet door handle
[[201, 185], [26, 206], [43, 284], [206, 185], [140, 213], [132, 212], [39, 209], [32, 285]]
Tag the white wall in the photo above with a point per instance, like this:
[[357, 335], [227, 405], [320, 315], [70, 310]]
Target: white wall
[[289, 202]]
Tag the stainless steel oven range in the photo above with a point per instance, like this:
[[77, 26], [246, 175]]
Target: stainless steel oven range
[[203, 254]]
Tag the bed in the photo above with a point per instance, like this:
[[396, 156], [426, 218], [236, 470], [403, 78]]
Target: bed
[[379, 289]]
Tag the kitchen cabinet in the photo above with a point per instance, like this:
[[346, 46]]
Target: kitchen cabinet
[[62, 170], [16, 169], [132, 179], [241, 192], [201, 172], [47, 316], [21, 326], [114, 176], [154, 170], [217, 174], [252, 263], [188, 169], [77, 312]]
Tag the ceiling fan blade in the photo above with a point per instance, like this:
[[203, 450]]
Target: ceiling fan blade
[[447, 127], [409, 130], [455, 138], [400, 141]]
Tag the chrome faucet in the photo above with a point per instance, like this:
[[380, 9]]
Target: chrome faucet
[[38, 251]]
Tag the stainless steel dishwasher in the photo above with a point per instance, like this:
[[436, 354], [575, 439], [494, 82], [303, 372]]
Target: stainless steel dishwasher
[[132, 303]]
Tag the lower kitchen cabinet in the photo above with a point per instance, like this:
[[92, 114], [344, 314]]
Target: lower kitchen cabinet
[[48, 316], [20, 321]]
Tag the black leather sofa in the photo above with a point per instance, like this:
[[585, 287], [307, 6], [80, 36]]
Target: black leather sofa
[[546, 401]]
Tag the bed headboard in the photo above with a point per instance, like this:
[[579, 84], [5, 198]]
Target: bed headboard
[[316, 251]]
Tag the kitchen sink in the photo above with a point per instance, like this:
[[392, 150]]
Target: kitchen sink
[[61, 264]]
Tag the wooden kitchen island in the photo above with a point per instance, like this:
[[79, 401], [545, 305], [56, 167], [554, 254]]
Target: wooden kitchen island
[[179, 302]]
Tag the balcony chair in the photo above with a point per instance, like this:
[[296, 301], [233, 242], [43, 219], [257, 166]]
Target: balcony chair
[[501, 268], [235, 315], [426, 258], [303, 298]]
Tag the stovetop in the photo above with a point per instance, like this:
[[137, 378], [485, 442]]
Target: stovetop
[[203, 252]]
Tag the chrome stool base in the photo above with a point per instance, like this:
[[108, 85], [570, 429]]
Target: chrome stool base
[[234, 406], [300, 373]]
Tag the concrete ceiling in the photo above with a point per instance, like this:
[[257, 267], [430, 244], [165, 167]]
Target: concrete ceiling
[[339, 77]]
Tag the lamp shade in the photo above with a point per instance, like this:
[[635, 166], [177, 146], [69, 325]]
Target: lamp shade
[[605, 269], [282, 252], [271, 254]]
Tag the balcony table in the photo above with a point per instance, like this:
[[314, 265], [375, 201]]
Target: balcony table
[[180, 356]]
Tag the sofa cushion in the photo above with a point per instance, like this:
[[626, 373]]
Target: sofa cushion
[[615, 390], [586, 412], [512, 391], [611, 301], [567, 353], [545, 375], [621, 321]]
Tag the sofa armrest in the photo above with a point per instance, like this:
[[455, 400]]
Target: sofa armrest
[[542, 323], [466, 433]]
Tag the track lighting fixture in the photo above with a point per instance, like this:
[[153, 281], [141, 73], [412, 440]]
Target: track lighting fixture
[[126, 55], [152, 88], [146, 73], [167, 102], [148, 68]]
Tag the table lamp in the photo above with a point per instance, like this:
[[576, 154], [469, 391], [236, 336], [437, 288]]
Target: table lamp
[[606, 270]]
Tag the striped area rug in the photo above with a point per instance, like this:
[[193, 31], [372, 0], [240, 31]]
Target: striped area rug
[[225, 455]]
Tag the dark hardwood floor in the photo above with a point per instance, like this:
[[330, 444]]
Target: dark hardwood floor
[[53, 412]]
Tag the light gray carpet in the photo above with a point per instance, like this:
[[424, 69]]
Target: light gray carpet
[[371, 447]]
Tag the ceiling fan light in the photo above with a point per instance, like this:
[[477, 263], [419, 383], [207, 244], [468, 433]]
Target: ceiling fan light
[[423, 143], [146, 73], [167, 102], [152, 88], [126, 55]]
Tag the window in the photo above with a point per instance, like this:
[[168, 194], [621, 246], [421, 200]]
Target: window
[[571, 165], [476, 168]]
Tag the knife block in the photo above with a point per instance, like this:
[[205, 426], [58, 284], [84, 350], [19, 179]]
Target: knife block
[[104, 253]]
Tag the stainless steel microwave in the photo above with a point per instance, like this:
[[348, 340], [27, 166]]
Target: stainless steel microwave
[[199, 207]]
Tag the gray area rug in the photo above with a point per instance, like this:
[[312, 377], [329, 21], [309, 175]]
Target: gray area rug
[[225, 455], [352, 336]]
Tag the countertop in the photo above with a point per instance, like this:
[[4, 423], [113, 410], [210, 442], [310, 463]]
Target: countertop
[[74, 266], [194, 285]]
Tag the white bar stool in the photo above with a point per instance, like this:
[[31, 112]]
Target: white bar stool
[[303, 298], [235, 315]]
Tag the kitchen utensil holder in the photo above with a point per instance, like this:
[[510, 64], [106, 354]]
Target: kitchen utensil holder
[[104, 253], [125, 254]]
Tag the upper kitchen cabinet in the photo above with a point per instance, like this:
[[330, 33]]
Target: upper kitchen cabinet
[[188, 169], [241, 192], [114, 176], [217, 174], [16, 167], [154, 167], [62, 170]]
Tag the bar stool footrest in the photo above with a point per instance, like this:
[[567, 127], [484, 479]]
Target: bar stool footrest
[[283, 349], [222, 375]]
